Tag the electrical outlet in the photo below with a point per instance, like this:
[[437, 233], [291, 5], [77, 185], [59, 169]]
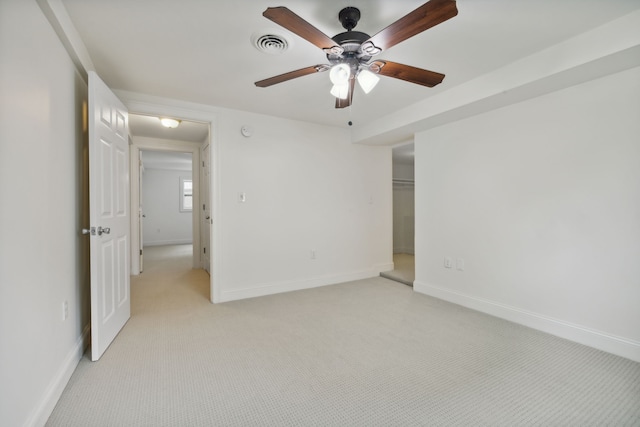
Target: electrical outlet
[[460, 264], [242, 197], [448, 262], [65, 310], [313, 254]]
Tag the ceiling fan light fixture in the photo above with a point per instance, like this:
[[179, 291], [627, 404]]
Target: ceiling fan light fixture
[[367, 80], [340, 91], [350, 52], [169, 123], [340, 74]]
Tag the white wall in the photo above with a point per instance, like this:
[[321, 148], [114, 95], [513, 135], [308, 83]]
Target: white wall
[[307, 189], [542, 201], [164, 223], [43, 188]]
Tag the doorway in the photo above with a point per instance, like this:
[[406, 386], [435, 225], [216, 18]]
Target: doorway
[[179, 151], [140, 105], [403, 215]]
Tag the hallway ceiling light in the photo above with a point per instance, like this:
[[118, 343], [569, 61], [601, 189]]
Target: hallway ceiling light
[[169, 123]]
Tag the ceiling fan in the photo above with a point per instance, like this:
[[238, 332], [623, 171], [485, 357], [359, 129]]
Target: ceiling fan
[[351, 53]]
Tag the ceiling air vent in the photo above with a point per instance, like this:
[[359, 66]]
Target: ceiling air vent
[[271, 43]]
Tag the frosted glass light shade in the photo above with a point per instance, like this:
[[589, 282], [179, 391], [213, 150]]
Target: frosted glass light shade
[[340, 74], [169, 123], [367, 80], [340, 91]]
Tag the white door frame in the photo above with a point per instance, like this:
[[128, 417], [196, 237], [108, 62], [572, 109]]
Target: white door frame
[[140, 104], [205, 220]]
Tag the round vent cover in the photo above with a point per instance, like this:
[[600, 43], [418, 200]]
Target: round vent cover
[[271, 43]]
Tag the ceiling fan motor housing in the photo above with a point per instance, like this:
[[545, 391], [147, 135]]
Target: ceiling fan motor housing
[[349, 17], [350, 41]]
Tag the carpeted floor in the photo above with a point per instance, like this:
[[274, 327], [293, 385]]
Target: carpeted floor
[[364, 353]]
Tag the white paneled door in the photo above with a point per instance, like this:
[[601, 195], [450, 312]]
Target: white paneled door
[[109, 215]]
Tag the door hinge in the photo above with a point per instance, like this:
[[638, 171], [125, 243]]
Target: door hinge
[[203, 207], [140, 251], [205, 250]]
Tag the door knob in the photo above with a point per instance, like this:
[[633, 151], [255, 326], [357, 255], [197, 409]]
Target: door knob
[[96, 231]]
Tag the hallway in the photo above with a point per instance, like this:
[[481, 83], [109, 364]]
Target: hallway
[[167, 269]]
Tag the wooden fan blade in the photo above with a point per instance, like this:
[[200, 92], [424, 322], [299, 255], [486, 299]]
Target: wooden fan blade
[[410, 74], [292, 22], [342, 103], [291, 75], [426, 16]]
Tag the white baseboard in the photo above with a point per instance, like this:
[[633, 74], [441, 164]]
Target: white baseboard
[[602, 341], [264, 289], [169, 242], [53, 392]]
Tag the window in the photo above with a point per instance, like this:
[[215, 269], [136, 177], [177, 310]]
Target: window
[[186, 195]]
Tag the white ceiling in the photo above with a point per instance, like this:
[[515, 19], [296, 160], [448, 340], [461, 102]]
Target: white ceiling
[[201, 50]]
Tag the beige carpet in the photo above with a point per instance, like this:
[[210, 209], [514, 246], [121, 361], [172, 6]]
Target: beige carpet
[[364, 353]]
